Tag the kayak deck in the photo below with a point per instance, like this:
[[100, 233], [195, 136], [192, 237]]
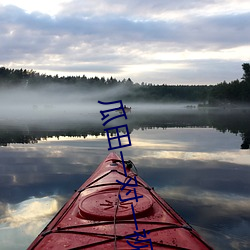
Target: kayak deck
[[103, 213]]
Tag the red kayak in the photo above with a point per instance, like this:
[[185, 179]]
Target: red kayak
[[116, 209]]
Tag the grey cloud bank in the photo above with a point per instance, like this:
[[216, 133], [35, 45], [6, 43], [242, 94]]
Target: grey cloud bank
[[146, 41]]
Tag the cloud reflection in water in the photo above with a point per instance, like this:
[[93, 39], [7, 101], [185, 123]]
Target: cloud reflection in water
[[25, 220], [198, 171]]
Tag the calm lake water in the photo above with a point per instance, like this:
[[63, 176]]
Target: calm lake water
[[197, 160]]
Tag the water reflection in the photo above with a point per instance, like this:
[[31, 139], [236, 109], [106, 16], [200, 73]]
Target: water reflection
[[195, 165], [233, 121], [20, 222], [29, 210]]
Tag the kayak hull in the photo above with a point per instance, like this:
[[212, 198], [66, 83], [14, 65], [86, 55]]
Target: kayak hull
[[104, 213]]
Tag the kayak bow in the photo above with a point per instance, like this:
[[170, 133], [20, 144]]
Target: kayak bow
[[104, 213]]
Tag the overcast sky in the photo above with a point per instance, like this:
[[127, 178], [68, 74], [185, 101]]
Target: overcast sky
[[154, 41]]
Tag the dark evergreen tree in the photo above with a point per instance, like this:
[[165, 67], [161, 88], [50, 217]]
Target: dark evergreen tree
[[246, 69]]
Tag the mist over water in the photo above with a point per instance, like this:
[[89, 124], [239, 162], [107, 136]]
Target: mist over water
[[59, 109], [51, 103], [60, 102]]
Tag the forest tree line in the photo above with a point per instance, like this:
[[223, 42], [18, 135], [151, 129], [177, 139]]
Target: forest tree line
[[236, 91]]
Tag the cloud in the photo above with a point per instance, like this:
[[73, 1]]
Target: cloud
[[115, 30], [94, 38], [147, 9]]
